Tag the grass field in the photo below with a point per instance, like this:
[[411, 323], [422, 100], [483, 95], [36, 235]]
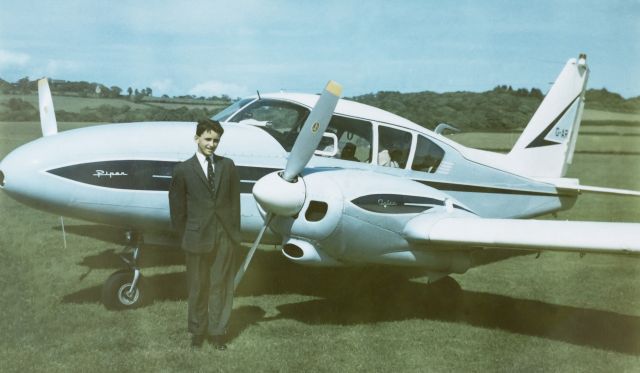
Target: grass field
[[558, 313]]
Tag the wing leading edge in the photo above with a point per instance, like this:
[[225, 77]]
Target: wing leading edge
[[575, 236]]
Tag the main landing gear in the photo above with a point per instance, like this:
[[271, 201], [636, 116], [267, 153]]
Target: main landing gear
[[126, 289]]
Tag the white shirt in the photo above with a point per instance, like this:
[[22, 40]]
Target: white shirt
[[384, 159], [203, 162]]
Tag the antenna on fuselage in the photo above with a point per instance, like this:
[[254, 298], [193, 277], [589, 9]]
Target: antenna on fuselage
[[440, 128], [258, 92]]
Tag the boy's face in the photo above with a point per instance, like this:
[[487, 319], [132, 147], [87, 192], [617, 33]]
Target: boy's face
[[207, 142]]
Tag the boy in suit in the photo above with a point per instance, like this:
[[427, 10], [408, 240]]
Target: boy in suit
[[204, 202]]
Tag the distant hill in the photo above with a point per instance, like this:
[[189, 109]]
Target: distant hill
[[499, 109], [94, 102], [502, 108]]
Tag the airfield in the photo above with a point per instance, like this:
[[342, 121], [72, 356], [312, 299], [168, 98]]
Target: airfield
[[558, 312]]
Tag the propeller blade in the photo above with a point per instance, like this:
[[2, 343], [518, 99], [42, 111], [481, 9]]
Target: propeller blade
[[312, 131], [47, 115], [247, 260]]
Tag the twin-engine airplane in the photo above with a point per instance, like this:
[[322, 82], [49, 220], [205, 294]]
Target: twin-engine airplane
[[336, 182]]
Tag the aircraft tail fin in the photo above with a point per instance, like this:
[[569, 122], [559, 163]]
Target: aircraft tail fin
[[48, 121], [545, 148]]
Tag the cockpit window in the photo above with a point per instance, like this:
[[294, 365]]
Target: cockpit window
[[394, 146], [428, 155], [280, 119], [229, 110], [354, 138]]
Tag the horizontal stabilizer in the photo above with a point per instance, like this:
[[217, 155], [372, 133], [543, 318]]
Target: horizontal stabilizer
[[574, 186], [584, 237], [595, 189]]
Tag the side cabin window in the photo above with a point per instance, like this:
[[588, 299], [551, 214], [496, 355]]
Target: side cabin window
[[354, 138], [428, 155], [393, 147], [280, 119]]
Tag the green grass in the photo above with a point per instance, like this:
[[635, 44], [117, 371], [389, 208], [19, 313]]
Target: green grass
[[599, 115], [558, 313], [591, 138]]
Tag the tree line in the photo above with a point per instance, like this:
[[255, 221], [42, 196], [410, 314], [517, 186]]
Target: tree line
[[18, 110], [70, 88], [502, 108], [26, 86]]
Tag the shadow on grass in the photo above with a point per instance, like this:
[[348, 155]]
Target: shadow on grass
[[151, 255], [105, 233], [352, 296], [396, 301]]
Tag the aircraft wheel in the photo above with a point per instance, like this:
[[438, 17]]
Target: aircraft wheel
[[116, 293]]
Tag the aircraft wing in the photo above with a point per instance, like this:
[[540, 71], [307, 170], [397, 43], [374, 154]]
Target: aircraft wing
[[466, 231]]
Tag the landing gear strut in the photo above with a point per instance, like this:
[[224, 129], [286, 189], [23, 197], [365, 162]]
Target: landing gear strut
[[125, 289]]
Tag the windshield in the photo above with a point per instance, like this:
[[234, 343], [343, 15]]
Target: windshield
[[226, 113], [280, 119]]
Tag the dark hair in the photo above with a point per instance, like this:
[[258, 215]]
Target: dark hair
[[205, 125]]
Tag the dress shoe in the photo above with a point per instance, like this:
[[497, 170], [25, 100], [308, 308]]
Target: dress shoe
[[197, 340], [218, 343]]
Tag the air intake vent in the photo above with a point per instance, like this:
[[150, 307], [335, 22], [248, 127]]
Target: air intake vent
[[316, 211], [293, 251]]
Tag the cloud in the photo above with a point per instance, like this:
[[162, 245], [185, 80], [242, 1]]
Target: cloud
[[216, 88], [8, 58], [161, 87], [57, 69]]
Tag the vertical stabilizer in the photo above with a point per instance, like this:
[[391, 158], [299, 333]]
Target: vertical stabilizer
[[546, 146], [47, 115]]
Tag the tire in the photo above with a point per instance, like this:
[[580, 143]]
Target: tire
[[115, 291]]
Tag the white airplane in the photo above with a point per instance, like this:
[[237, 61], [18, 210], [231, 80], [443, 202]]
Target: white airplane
[[360, 185]]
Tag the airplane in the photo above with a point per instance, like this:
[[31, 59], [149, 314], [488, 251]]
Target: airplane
[[332, 181]]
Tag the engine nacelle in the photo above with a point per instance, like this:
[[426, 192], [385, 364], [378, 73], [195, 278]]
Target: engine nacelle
[[306, 253]]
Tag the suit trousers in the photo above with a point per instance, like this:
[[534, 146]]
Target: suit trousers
[[210, 281]]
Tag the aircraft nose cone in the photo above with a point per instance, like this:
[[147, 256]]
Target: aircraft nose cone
[[3, 172], [12, 172]]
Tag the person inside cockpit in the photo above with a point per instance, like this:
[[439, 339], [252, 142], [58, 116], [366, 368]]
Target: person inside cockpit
[[349, 152]]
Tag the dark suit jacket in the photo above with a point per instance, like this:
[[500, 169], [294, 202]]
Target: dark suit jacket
[[196, 213]]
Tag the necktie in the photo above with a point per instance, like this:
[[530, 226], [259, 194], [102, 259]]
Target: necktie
[[210, 173]]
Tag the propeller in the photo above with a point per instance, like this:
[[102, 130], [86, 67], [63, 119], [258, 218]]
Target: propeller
[[252, 251], [47, 115], [283, 193], [312, 131]]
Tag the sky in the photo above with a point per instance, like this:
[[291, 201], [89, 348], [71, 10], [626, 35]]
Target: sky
[[236, 47]]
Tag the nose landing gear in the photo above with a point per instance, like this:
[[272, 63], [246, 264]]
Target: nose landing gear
[[126, 288]]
